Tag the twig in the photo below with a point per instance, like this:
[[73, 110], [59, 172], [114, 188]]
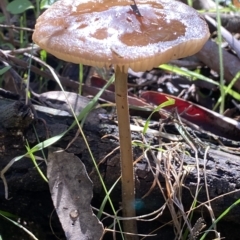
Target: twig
[[231, 40], [15, 27]]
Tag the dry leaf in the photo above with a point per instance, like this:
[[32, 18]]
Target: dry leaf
[[71, 191]]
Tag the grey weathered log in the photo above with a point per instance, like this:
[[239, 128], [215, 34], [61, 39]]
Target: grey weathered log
[[222, 169], [209, 55], [15, 114], [230, 21]]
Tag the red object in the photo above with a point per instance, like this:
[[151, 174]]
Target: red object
[[204, 118]]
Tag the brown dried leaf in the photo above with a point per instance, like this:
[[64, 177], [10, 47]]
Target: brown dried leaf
[[71, 191]]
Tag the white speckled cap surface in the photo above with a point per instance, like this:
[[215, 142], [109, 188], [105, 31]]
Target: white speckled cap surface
[[104, 32]]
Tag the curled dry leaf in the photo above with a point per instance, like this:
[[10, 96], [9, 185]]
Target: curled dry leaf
[[204, 118], [71, 191]]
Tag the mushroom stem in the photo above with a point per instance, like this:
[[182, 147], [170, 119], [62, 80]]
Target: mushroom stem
[[128, 188]]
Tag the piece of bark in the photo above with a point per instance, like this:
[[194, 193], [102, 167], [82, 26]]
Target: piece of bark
[[15, 114]]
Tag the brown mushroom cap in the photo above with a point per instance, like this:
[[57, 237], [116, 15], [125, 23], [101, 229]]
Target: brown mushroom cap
[[104, 32]]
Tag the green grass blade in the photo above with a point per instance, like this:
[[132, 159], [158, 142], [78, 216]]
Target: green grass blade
[[194, 75], [20, 226], [169, 102], [220, 217], [35, 163]]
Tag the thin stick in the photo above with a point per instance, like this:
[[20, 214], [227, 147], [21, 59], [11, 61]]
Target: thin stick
[[128, 190]]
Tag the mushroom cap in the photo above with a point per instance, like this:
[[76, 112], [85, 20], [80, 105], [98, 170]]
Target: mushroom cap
[[109, 32]]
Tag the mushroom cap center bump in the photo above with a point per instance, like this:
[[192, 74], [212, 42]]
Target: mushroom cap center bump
[[104, 32]]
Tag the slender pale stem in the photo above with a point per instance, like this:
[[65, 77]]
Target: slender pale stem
[[128, 188]]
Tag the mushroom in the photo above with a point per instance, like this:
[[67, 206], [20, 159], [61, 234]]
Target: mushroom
[[110, 32]]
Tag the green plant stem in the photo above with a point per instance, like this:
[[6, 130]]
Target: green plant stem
[[219, 218], [80, 79], [37, 8], [190, 3], [221, 73], [21, 31], [128, 188]]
